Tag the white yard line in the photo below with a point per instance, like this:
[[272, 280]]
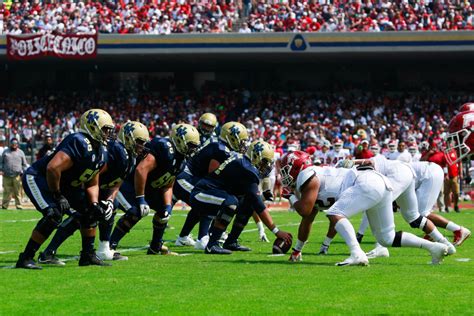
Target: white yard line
[[6, 252]]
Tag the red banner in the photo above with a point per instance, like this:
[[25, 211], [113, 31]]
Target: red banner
[[62, 46]]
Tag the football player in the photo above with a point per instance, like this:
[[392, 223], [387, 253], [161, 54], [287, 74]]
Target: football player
[[207, 126], [219, 194], [460, 137], [233, 137], [339, 153], [121, 156], [69, 179], [324, 155], [402, 177], [346, 193], [151, 186]]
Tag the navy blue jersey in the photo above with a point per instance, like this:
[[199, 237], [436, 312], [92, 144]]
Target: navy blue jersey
[[203, 138], [198, 164], [169, 164], [119, 165], [87, 159], [237, 176]]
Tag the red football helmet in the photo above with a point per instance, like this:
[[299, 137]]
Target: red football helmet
[[467, 107], [460, 137], [291, 165]]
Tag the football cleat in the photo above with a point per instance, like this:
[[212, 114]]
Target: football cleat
[[50, 258], [119, 257], [104, 252], [235, 246], [91, 259], [217, 250], [295, 256], [201, 243], [451, 248], [456, 209], [357, 259], [162, 251], [264, 238], [460, 236], [438, 251], [26, 263], [185, 241], [323, 250], [378, 252]]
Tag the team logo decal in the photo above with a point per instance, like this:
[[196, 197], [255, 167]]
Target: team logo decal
[[258, 148], [128, 129], [181, 131], [298, 43], [92, 117], [234, 130]]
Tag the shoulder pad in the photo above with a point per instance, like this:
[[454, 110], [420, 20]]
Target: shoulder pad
[[304, 176]]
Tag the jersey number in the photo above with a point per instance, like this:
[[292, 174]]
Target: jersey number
[[162, 181], [325, 204], [86, 176], [111, 184]]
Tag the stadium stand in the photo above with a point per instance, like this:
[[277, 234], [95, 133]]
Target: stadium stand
[[221, 16]]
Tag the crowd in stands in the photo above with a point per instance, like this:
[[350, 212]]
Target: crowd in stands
[[245, 16], [284, 119]]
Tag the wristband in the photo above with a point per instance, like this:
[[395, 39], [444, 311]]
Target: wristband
[[275, 230], [141, 199], [293, 199]]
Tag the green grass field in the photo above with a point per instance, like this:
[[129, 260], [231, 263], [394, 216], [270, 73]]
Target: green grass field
[[242, 283]]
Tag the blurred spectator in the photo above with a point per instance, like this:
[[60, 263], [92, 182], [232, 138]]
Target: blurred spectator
[[363, 151], [47, 148], [193, 16], [12, 165]]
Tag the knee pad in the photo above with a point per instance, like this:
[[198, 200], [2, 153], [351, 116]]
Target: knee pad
[[159, 222], [49, 222], [420, 222], [126, 222], [397, 241], [386, 239], [226, 213]]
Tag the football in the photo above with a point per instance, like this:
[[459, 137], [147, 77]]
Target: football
[[280, 246]]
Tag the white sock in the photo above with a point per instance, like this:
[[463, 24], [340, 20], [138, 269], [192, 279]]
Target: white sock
[[327, 241], [261, 229], [436, 235], [410, 240], [452, 227], [364, 224], [346, 230], [299, 245]]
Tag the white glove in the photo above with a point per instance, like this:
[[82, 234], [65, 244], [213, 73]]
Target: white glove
[[144, 207], [345, 163], [108, 207], [264, 238]]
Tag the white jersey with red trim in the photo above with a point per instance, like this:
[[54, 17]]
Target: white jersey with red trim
[[324, 157], [332, 182], [339, 155]]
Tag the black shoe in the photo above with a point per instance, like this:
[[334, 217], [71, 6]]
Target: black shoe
[[456, 209], [235, 246], [50, 258], [359, 237], [161, 250], [91, 259], [26, 263], [217, 250], [119, 257], [446, 210]]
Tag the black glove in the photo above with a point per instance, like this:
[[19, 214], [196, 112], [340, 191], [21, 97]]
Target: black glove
[[96, 211], [268, 195], [61, 201]]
